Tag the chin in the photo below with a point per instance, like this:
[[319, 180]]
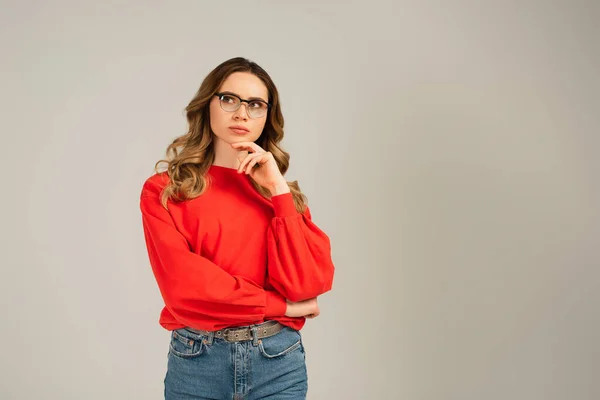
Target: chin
[[244, 138], [233, 138]]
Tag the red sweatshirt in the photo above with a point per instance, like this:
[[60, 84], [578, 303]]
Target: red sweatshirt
[[231, 257]]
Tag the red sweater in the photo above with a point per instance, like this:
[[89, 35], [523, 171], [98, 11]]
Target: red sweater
[[231, 257]]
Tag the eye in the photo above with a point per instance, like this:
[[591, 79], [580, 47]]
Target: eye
[[228, 99], [257, 104]]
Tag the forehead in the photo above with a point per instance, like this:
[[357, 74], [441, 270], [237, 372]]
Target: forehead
[[245, 85]]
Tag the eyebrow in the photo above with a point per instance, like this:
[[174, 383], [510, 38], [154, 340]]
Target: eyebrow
[[249, 98]]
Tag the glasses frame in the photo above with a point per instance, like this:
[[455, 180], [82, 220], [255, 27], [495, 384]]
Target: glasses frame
[[240, 104]]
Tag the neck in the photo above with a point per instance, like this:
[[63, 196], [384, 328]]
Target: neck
[[227, 156]]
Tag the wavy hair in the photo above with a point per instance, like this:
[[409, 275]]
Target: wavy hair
[[190, 156]]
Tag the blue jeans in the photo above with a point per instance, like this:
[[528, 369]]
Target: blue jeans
[[205, 367]]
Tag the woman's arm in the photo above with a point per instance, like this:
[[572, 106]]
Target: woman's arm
[[192, 287], [299, 253], [300, 266], [306, 308]]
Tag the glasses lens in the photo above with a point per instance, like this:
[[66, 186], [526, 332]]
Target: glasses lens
[[257, 109], [229, 103]]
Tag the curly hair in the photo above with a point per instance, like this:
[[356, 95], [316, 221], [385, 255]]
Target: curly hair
[[190, 156]]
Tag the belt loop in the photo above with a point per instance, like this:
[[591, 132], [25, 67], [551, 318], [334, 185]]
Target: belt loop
[[254, 334], [209, 339]]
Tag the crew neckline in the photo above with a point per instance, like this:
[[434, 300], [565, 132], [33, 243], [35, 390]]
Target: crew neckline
[[226, 170], [222, 167]]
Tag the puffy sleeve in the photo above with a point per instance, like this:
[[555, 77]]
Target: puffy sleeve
[[299, 265], [193, 288]]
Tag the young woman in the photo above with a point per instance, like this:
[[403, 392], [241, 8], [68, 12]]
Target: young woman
[[237, 258]]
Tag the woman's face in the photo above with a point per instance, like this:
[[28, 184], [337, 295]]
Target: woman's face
[[246, 86]]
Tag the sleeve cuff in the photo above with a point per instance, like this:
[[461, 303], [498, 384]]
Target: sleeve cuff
[[276, 304], [284, 206]]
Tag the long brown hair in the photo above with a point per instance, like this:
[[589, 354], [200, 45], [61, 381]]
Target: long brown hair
[[190, 156]]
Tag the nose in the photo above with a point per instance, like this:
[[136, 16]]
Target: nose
[[241, 112]]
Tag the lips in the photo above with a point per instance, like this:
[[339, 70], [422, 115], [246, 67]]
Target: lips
[[240, 130]]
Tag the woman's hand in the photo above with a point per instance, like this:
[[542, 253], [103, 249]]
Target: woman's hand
[[261, 166], [306, 308]]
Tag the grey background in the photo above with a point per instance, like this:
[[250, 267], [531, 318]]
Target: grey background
[[449, 149]]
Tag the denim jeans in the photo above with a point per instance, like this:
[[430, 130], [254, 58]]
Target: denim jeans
[[205, 367]]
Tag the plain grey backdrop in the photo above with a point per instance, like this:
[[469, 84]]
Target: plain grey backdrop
[[449, 149]]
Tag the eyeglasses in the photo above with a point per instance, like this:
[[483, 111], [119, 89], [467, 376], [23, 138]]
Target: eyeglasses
[[254, 108]]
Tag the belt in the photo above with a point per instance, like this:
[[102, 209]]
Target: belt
[[242, 333]]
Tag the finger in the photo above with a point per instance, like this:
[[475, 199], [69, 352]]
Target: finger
[[247, 145], [242, 155], [242, 160], [253, 162], [247, 160]]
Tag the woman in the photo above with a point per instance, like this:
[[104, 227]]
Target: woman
[[236, 256]]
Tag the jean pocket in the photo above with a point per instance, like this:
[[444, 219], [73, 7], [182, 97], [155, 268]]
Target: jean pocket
[[284, 342], [186, 344]]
